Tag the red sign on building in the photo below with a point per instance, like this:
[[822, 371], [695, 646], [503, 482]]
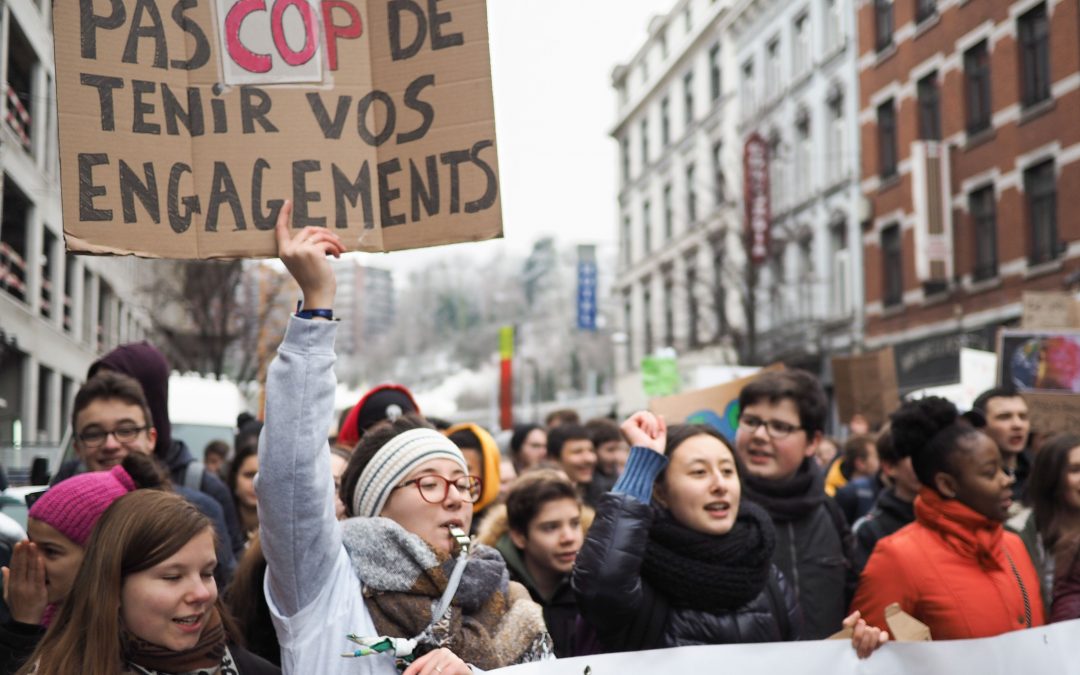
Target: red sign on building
[[756, 197]]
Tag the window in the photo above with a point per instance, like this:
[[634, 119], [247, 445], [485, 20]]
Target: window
[[776, 173], [669, 312], [1034, 35], [929, 108], [925, 9], [688, 97], [624, 156], [801, 59], [805, 286], [718, 290], [886, 119], [627, 250], [644, 143], [747, 86], [669, 220], [1040, 185], [772, 69], [691, 195], [803, 154], [665, 122], [883, 24], [834, 24], [628, 327], [892, 266], [691, 305], [688, 17], [714, 72], [646, 227], [662, 39], [70, 270], [646, 302], [777, 310], [977, 87], [49, 271], [719, 186], [840, 281], [837, 135], [983, 209]]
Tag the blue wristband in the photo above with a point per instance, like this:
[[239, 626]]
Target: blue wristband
[[327, 314]]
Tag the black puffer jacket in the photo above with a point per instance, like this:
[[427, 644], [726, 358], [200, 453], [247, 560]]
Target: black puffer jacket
[[628, 614]]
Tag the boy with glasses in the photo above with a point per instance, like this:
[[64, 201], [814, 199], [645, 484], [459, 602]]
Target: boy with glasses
[[782, 421], [111, 419]]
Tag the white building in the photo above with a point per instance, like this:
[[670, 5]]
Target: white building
[[58, 312], [797, 87], [679, 235]]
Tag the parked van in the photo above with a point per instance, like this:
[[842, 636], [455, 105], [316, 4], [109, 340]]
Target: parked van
[[203, 409]]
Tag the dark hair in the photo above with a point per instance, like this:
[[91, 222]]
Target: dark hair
[[559, 436], [521, 432], [465, 438], [531, 491], [798, 386], [370, 443], [603, 431], [109, 384], [246, 601], [855, 448], [557, 418], [242, 453], [1046, 486], [219, 448], [932, 432], [248, 434], [677, 434], [146, 471], [886, 449], [1007, 391]]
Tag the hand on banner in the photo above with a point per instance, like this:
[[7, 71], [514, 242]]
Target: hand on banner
[[24, 584], [865, 638], [304, 254], [646, 430], [439, 662]]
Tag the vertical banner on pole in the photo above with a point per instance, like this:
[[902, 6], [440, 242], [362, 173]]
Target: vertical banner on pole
[[506, 381], [586, 296]]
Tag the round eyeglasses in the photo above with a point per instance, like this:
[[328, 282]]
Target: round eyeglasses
[[94, 438], [433, 488], [775, 428]]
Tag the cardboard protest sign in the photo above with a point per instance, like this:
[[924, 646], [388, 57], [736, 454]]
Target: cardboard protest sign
[[1045, 367], [866, 384], [1050, 309], [184, 124], [716, 406]]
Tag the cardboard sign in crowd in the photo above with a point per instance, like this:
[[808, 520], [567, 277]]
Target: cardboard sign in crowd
[[185, 124]]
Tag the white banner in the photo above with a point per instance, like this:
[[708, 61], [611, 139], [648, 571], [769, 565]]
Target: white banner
[[1052, 649]]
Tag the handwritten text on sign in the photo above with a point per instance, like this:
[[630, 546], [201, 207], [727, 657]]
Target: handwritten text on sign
[[185, 123]]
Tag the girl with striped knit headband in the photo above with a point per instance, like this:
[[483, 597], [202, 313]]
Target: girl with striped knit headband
[[393, 569]]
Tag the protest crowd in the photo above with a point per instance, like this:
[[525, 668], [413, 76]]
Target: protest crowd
[[402, 544]]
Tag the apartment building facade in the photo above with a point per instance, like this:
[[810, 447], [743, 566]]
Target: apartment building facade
[[679, 236], [970, 163], [797, 90], [58, 312]]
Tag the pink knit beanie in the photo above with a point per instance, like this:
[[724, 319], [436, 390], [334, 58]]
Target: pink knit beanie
[[72, 506]]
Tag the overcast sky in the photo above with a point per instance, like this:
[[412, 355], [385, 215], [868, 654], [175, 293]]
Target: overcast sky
[[551, 64]]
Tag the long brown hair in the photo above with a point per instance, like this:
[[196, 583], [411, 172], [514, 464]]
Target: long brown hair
[[1046, 489], [138, 531]]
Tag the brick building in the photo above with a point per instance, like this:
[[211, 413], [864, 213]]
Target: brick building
[[970, 142]]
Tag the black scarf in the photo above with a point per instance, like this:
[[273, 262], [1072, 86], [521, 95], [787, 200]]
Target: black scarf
[[790, 499], [706, 571]]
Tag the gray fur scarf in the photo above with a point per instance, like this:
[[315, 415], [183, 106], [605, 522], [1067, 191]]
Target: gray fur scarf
[[492, 621]]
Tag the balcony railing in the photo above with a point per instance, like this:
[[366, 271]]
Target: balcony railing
[[12, 272], [18, 118]]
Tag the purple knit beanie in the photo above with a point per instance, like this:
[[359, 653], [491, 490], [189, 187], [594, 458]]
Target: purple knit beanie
[[72, 506]]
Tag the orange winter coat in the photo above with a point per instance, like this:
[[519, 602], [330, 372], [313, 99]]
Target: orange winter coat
[[951, 570]]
